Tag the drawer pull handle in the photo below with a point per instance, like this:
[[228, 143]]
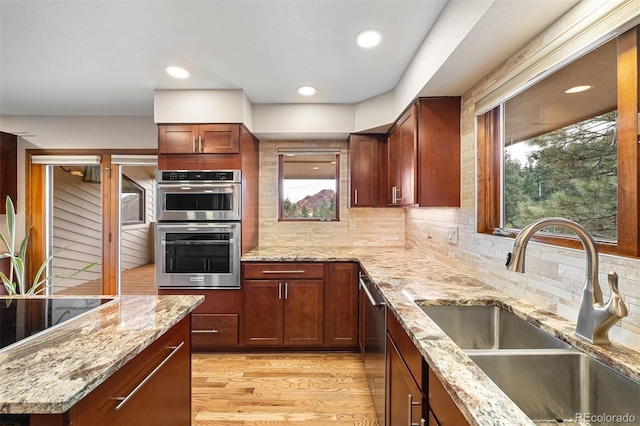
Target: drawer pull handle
[[213, 330], [123, 399], [410, 409], [300, 271]]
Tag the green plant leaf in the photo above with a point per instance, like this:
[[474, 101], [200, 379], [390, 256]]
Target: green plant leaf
[[11, 288], [11, 223]]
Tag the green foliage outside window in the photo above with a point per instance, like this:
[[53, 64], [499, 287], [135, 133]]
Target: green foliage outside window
[[570, 172]]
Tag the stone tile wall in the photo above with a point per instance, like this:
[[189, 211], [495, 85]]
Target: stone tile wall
[[357, 226]]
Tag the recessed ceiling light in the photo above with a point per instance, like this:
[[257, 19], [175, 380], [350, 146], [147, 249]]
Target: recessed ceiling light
[[177, 72], [315, 168], [368, 38], [577, 89], [307, 90]]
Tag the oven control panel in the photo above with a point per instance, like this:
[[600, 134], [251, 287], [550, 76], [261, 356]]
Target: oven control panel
[[202, 175]]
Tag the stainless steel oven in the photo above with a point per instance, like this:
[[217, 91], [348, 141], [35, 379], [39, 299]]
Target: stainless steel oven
[[198, 255], [204, 195]]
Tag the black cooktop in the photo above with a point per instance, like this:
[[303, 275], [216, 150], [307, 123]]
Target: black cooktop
[[23, 317]]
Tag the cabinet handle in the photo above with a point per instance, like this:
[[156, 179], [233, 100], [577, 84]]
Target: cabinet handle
[[194, 144], [286, 290], [301, 271], [200, 143], [213, 330], [123, 399], [355, 196], [410, 408], [279, 290], [394, 195], [398, 193]]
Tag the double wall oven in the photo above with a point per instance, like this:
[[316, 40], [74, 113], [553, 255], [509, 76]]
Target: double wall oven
[[198, 228]]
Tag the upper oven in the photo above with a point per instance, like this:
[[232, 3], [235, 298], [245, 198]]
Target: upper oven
[[198, 196]]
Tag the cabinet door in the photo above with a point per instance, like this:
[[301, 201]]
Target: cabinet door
[[9, 170], [367, 165], [341, 312], [393, 157], [444, 410], [263, 312], [177, 139], [303, 314], [160, 376], [407, 161], [405, 400], [219, 139]]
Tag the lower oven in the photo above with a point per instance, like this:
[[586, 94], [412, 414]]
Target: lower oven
[[198, 255], [375, 328]]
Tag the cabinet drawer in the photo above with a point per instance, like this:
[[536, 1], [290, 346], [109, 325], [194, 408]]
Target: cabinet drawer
[[412, 357], [214, 330], [282, 270]]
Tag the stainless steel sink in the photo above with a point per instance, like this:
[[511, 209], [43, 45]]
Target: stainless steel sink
[[554, 385], [490, 327]]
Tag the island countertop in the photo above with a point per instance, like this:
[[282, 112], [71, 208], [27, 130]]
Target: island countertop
[[408, 279], [51, 371]]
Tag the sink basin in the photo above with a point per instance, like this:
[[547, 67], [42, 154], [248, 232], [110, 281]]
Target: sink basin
[[553, 385], [490, 327]]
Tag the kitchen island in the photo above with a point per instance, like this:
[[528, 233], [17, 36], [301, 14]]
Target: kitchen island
[[408, 279], [125, 353]]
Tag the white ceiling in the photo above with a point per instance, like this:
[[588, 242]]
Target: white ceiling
[[106, 57]]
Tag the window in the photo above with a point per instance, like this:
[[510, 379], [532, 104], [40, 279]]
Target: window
[[554, 150], [132, 202], [308, 187]]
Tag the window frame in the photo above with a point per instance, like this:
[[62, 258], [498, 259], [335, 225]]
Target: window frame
[[281, 158], [489, 161], [141, 204]]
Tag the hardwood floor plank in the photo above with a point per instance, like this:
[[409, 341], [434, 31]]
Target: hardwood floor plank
[[280, 389]]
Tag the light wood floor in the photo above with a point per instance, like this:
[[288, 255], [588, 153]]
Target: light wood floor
[[140, 280], [313, 389]]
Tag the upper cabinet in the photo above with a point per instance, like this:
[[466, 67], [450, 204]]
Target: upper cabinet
[[199, 139], [9, 169], [401, 183], [424, 155], [367, 162]]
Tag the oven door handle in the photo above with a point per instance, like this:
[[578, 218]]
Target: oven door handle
[[195, 225], [199, 186], [199, 243]]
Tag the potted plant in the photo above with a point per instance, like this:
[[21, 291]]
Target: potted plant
[[16, 282]]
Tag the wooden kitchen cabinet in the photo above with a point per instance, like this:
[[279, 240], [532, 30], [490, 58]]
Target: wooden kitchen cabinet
[[368, 170], [402, 155], [158, 377], [341, 305], [424, 155], [409, 374], [199, 139], [9, 170], [283, 304], [406, 400], [442, 410], [215, 323]]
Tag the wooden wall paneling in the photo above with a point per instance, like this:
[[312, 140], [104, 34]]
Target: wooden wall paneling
[[488, 190], [8, 169], [439, 152], [628, 152], [110, 190], [250, 190], [137, 240], [36, 220]]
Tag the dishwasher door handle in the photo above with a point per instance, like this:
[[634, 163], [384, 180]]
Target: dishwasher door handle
[[376, 305]]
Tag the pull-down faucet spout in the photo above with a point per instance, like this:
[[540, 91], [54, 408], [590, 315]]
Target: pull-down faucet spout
[[594, 317]]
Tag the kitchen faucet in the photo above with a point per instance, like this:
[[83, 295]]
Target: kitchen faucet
[[594, 318]]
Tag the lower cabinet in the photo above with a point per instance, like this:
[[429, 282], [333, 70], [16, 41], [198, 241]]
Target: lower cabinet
[[415, 396], [406, 401], [341, 305], [215, 323], [154, 388], [283, 304]]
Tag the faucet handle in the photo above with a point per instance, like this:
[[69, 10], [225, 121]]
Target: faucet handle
[[615, 305]]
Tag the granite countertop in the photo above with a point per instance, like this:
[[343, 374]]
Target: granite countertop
[[49, 373], [408, 279]]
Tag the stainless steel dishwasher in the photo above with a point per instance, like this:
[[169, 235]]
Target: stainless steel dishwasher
[[375, 327]]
